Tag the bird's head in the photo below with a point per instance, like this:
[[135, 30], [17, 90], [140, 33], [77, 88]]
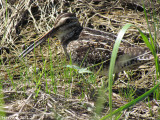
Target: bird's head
[[65, 27]]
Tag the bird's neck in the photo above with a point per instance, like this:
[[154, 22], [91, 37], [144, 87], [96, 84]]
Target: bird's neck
[[71, 35]]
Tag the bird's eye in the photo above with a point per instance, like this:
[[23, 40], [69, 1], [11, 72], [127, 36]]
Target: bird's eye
[[68, 21]]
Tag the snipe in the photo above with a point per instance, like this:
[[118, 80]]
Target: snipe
[[88, 47]]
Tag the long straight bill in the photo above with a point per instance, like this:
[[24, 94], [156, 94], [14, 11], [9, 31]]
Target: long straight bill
[[38, 42]]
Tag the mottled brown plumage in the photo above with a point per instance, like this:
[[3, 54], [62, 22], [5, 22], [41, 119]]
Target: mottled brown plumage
[[88, 47]]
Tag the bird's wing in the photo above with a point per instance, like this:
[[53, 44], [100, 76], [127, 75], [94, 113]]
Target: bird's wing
[[95, 48], [89, 52]]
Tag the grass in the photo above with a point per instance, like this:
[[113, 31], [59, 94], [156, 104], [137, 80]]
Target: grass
[[151, 46], [50, 85], [2, 113]]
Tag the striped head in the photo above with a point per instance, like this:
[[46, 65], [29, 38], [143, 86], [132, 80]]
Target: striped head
[[66, 25]]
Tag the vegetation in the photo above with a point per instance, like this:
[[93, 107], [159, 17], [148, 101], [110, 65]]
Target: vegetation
[[44, 85]]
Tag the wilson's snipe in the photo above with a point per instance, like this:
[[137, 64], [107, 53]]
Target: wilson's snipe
[[88, 47]]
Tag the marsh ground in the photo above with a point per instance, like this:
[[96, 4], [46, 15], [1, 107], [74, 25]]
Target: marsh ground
[[40, 86]]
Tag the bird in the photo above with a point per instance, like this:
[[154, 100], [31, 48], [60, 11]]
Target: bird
[[91, 48]]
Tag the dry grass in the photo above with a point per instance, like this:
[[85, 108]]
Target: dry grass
[[41, 87]]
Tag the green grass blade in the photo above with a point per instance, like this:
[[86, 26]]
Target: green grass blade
[[112, 64], [151, 39], [131, 103], [2, 113], [113, 59]]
